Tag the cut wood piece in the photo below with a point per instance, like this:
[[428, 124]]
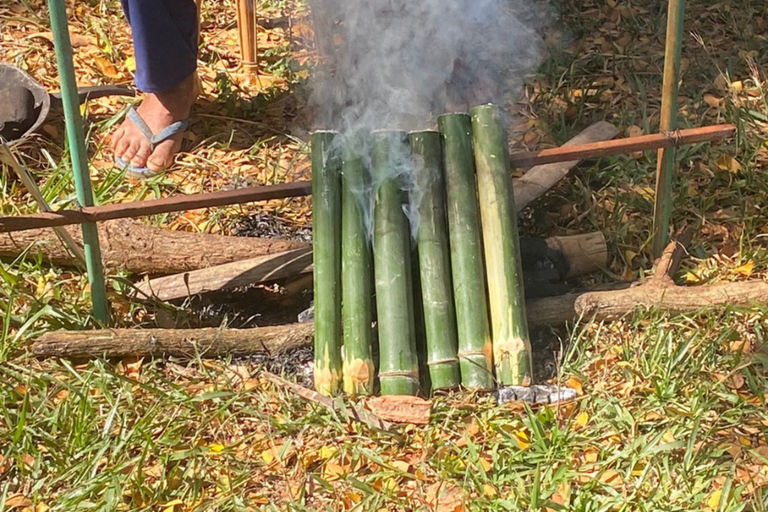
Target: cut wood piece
[[183, 343], [135, 247], [539, 179], [584, 253], [230, 275]]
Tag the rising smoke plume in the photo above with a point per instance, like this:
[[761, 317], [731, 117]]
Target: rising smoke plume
[[397, 64]]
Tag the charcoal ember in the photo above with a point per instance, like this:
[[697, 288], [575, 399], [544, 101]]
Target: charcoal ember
[[266, 225], [536, 394]]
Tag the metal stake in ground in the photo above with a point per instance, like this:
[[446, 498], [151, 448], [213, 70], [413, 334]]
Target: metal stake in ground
[[398, 360], [356, 286], [474, 337], [77, 149], [511, 344], [326, 236], [435, 262]]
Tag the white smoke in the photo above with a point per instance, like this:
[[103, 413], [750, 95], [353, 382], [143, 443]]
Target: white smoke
[[397, 64]]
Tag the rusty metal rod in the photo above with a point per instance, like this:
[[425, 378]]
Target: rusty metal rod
[[304, 188]]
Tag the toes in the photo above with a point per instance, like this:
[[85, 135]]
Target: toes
[[141, 156], [115, 139], [131, 151], [121, 146], [162, 157]]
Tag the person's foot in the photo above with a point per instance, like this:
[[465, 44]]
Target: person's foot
[[158, 110]]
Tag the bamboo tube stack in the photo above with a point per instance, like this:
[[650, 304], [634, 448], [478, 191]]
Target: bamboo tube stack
[[421, 228]]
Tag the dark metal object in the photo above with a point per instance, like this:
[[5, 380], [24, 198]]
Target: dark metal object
[[25, 104]]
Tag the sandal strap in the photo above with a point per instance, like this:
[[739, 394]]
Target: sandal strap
[[169, 131], [156, 138]]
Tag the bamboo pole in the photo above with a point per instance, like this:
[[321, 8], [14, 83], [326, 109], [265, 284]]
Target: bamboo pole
[[435, 262], [665, 165], [398, 361], [247, 25], [511, 344], [475, 350], [326, 235], [79, 155], [356, 285]]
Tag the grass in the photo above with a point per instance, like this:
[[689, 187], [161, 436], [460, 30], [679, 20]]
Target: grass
[[672, 416]]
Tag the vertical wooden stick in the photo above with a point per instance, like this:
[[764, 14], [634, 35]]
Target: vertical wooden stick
[[326, 238], [511, 344], [247, 24], [665, 166]]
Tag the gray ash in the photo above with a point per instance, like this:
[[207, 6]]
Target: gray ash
[[296, 364]]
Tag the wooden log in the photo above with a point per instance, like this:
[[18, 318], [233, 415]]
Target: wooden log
[[136, 247], [550, 311], [302, 188], [183, 343], [584, 253]]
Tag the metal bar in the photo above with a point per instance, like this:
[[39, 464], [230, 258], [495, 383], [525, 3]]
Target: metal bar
[[618, 146], [24, 175], [304, 188], [153, 206], [665, 166], [77, 151]]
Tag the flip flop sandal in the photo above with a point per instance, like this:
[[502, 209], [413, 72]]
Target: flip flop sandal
[[153, 138]]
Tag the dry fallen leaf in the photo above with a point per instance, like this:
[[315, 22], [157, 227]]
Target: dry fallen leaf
[[745, 269], [107, 68], [445, 497], [401, 409], [582, 419], [728, 163]]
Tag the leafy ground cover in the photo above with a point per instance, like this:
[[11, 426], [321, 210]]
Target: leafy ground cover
[[672, 414]]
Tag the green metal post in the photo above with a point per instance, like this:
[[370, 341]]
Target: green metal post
[[665, 165], [77, 150]]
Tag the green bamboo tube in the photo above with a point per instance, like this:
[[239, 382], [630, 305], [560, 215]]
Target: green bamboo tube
[[511, 344], [435, 262], [326, 236], [475, 349], [356, 282], [398, 361]]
